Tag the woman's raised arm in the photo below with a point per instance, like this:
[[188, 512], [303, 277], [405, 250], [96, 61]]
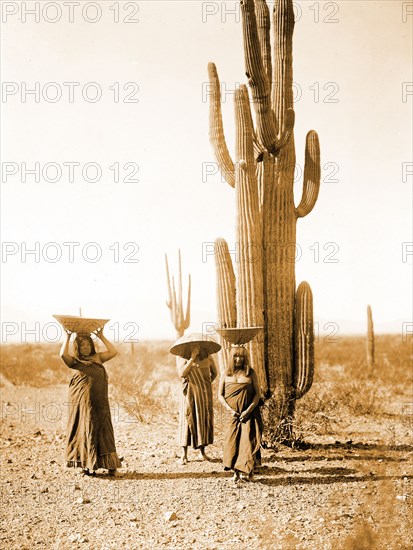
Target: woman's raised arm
[[112, 351], [184, 367], [64, 351]]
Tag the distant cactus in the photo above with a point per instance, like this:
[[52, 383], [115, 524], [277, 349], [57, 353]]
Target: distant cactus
[[263, 178], [175, 304], [370, 338]]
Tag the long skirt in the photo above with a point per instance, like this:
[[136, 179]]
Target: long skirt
[[196, 415], [90, 441]]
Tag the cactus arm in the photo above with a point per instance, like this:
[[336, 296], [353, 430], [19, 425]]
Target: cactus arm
[[216, 128], [226, 296], [287, 132], [282, 89], [180, 308], [187, 319], [244, 134], [264, 35], [304, 340], [257, 77], [180, 322], [258, 147], [312, 175], [227, 308], [264, 26], [168, 279], [258, 69], [174, 309]]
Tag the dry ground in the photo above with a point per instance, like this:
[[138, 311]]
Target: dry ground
[[350, 486]]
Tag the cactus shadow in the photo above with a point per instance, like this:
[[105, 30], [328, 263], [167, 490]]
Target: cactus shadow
[[379, 447], [170, 475], [336, 458], [328, 479], [329, 452]]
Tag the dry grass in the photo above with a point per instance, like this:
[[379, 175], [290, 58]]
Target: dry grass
[[345, 387], [34, 365], [143, 381], [146, 382]]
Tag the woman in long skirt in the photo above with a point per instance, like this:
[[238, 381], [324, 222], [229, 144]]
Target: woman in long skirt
[[197, 370], [90, 441], [239, 393]]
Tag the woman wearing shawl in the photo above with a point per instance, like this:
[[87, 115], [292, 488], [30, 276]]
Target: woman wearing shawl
[[90, 438], [239, 393]]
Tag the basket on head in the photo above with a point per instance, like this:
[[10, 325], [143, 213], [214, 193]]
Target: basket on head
[[240, 335], [80, 325], [184, 345]]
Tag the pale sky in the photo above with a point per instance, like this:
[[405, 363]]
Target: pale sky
[[349, 70]]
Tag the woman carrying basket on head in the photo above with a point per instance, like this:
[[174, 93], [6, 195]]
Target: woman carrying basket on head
[[197, 369], [90, 438]]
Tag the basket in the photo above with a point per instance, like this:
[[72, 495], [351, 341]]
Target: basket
[[80, 325], [239, 336]]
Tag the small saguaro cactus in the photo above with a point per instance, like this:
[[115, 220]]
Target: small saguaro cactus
[[262, 174], [174, 303], [370, 338]]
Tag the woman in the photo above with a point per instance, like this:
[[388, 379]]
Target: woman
[[240, 394], [90, 438], [196, 415]]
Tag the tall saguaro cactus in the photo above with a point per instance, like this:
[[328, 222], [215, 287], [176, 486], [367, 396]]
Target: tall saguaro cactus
[[175, 303], [263, 177]]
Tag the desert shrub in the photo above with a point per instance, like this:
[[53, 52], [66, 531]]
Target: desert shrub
[[143, 382], [33, 364]]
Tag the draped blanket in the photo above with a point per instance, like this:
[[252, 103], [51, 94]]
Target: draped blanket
[[90, 438], [196, 415], [242, 439]]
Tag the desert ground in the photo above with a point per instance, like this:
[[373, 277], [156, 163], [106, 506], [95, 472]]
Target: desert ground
[[347, 482]]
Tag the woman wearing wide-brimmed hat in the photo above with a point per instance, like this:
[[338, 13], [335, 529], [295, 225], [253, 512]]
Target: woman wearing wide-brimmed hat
[[197, 369]]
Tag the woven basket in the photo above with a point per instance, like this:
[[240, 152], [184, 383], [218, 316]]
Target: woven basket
[[80, 325], [239, 336]]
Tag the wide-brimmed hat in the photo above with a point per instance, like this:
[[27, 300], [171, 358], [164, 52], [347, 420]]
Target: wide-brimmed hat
[[184, 345], [80, 325]]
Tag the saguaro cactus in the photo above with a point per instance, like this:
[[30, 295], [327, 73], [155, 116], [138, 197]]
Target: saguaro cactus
[[370, 338], [263, 178], [174, 303]]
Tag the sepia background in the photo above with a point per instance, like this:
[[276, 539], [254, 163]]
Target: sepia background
[[148, 60], [107, 166]]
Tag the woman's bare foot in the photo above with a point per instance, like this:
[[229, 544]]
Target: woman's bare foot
[[247, 477], [204, 455], [184, 457], [235, 478], [86, 472]]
